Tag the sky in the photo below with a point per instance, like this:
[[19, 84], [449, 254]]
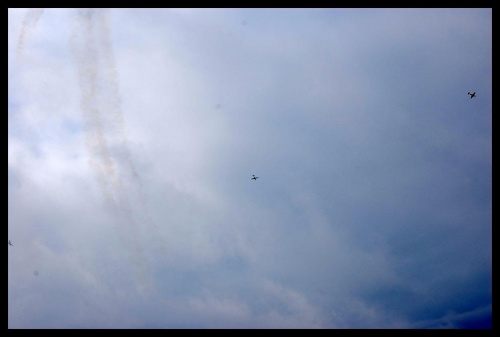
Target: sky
[[133, 135]]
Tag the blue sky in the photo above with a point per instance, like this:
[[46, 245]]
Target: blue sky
[[133, 135]]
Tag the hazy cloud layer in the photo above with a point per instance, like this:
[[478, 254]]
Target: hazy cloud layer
[[133, 135]]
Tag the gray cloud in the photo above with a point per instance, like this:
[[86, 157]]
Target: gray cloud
[[373, 207]]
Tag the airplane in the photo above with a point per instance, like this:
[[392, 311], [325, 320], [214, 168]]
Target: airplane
[[472, 94], [10, 244], [254, 177]]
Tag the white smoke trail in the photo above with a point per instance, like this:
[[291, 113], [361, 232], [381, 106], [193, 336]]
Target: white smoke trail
[[29, 24]]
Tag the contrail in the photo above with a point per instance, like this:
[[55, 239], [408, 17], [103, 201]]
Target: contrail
[[29, 24]]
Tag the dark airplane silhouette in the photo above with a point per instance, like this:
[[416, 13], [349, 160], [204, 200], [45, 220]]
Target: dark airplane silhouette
[[472, 94], [10, 244], [254, 177]]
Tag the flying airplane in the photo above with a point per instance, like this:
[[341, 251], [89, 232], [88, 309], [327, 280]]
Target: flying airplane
[[254, 177], [10, 244], [472, 94]]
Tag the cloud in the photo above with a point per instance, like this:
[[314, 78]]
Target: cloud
[[477, 318], [373, 206]]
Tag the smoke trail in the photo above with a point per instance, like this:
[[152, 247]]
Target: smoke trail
[[105, 136], [29, 23], [115, 115], [85, 52], [115, 111], [106, 141]]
